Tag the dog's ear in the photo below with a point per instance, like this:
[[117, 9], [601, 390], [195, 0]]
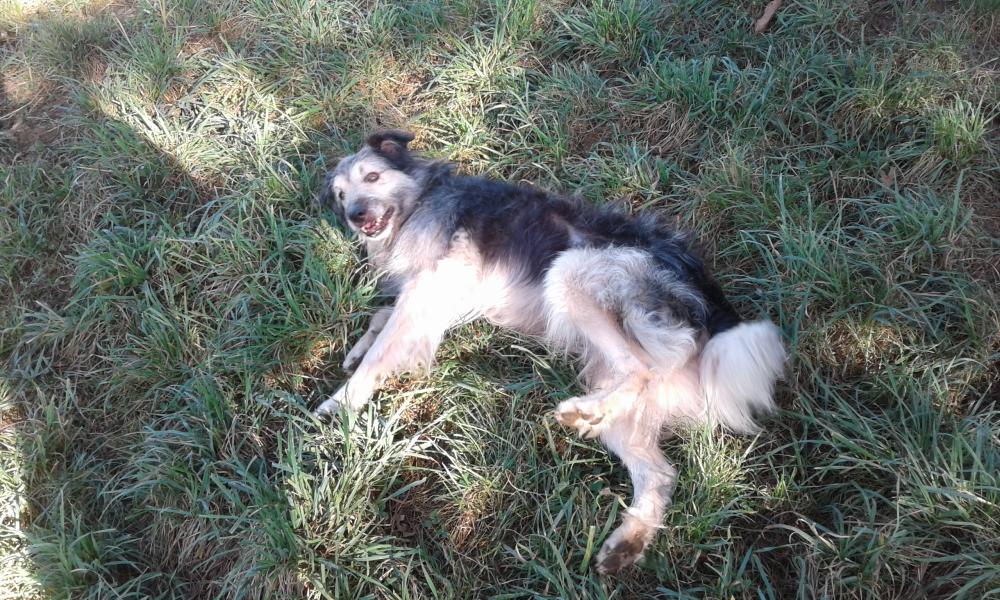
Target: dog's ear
[[391, 143]]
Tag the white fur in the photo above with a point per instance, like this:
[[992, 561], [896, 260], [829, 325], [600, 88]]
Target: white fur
[[634, 438], [378, 321], [739, 368], [428, 305], [589, 291]]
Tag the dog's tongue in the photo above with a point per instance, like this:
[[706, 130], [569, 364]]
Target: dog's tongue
[[376, 225], [373, 226]]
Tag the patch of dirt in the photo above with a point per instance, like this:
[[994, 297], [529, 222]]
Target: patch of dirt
[[462, 521], [396, 98], [197, 43], [412, 514], [94, 70], [859, 351], [10, 418], [123, 10], [33, 108], [30, 129], [417, 411], [880, 18], [584, 134], [28, 110], [984, 198], [236, 28]]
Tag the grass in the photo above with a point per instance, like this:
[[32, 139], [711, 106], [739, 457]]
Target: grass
[[172, 301]]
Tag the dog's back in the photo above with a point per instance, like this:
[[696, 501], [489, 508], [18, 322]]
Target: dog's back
[[523, 229]]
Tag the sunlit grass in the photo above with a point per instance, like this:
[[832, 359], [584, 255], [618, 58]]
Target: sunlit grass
[[172, 301]]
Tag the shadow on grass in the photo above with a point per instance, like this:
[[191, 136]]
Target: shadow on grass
[[160, 391], [152, 435]]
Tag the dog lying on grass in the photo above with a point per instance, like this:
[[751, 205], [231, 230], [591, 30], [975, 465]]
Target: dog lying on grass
[[658, 342]]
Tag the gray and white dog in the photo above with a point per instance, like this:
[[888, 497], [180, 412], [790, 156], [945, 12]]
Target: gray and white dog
[[658, 343]]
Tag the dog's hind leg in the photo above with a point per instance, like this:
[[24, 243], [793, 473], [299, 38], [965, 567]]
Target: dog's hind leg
[[634, 438], [592, 300], [622, 382]]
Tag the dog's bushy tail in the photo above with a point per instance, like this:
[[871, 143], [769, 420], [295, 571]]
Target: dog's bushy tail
[[738, 369]]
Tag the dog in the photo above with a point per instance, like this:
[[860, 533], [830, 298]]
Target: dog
[[658, 343]]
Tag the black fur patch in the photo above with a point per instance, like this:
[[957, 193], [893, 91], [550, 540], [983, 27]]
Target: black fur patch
[[391, 144], [527, 228]]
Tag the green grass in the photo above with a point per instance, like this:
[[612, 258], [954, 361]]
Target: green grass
[[173, 303]]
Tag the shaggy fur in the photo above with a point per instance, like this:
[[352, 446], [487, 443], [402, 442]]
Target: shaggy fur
[[657, 341]]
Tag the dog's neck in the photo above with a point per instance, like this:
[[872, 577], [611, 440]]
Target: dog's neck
[[379, 251]]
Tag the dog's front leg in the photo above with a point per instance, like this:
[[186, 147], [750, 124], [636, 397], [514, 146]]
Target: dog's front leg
[[425, 310], [379, 319]]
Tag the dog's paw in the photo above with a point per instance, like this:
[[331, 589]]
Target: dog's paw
[[328, 408], [588, 417], [352, 396], [331, 405], [623, 548]]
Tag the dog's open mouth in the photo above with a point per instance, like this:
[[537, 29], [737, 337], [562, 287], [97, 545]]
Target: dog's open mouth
[[376, 226]]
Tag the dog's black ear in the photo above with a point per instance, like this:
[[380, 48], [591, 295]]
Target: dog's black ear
[[391, 143]]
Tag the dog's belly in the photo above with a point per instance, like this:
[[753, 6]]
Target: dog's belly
[[516, 306]]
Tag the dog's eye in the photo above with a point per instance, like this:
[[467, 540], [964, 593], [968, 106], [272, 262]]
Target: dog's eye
[[373, 176], [340, 195]]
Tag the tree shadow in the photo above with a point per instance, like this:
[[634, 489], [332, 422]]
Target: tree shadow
[[161, 379]]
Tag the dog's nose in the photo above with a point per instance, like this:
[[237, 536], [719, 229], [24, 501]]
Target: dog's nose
[[357, 214]]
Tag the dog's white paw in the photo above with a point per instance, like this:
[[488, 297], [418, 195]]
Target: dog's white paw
[[624, 547], [353, 395], [332, 404], [588, 416]]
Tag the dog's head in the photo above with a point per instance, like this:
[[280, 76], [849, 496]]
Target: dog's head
[[374, 190]]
